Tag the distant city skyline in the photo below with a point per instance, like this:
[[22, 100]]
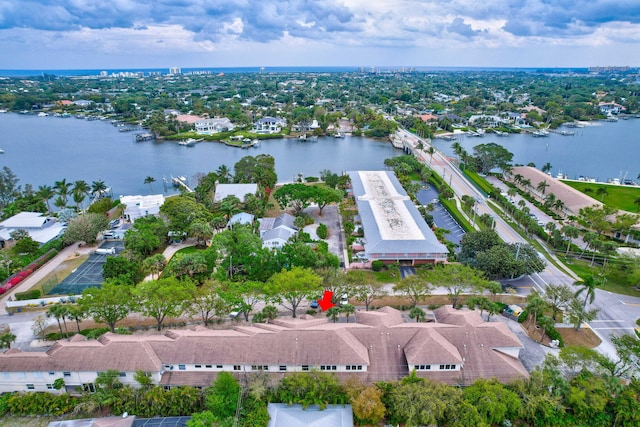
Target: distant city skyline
[[110, 34]]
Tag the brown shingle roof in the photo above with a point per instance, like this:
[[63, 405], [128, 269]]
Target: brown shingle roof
[[387, 348], [573, 199]]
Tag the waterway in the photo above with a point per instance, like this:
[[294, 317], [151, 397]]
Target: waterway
[[42, 150], [600, 150]]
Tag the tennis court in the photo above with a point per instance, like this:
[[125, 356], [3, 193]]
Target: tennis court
[[89, 273], [161, 422]]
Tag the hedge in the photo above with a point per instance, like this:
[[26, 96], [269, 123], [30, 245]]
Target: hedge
[[451, 206], [18, 277], [32, 294], [481, 183]]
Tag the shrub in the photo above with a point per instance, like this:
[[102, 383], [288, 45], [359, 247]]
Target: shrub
[[311, 179], [32, 294], [321, 231], [553, 334], [94, 333], [377, 265], [523, 316]]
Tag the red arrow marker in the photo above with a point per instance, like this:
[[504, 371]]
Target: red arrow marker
[[325, 301]]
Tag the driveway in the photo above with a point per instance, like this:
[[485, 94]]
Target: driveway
[[335, 236]]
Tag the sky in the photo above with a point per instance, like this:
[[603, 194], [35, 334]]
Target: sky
[[112, 34]]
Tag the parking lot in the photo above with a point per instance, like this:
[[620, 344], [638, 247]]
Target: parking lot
[[89, 273], [441, 217]]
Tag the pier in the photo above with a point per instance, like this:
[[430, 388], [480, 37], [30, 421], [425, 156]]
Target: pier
[[144, 137], [181, 181]]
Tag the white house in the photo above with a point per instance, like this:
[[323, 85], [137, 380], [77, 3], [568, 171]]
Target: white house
[[269, 125], [139, 206], [276, 232], [211, 126], [238, 190], [41, 228], [611, 108]]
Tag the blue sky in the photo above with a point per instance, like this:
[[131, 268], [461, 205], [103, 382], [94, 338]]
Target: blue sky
[[62, 34]]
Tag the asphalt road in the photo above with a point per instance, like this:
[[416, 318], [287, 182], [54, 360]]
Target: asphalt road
[[617, 314]]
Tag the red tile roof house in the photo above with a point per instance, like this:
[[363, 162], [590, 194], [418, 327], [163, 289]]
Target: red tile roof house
[[456, 349]]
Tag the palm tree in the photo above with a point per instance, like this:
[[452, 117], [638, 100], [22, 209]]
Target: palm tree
[[570, 233], [546, 167], [588, 286], [558, 205], [518, 178], [224, 174], [59, 312], [550, 200], [149, 180], [76, 314], [545, 322], [46, 192], [62, 189], [59, 202], [511, 193], [542, 187], [526, 183], [348, 310], [550, 227], [333, 313], [602, 191], [78, 198], [98, 188], [229, 207], [418, 314]]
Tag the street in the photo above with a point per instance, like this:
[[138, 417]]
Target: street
[[617, 313]]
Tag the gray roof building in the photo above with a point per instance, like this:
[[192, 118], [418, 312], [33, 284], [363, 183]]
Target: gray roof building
[[239, 190], [394, 230]]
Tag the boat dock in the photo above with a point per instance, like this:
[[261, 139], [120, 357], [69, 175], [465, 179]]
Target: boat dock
[[181, 181], [144, 137]]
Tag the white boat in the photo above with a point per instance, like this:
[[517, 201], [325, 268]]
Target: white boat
[[3, 111], [42, 114], [479, 133], [541, 133], [189, 142], [338, 135], [1, 151], [567, 133]]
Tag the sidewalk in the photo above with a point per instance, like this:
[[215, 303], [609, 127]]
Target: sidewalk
[[170, 251], [43, 271]]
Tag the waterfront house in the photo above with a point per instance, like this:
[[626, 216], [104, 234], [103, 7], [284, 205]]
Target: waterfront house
[[215, 125], [456, 349], [269, 125], [610, 108], [241, 191], [41, 228], [140, 206], [394, 229]]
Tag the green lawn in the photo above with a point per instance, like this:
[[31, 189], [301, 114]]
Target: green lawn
[[619, 196], [616, 280]]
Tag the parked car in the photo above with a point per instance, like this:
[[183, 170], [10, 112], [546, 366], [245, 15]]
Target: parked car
[[109, 235], [114, 223], [314, 304]]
